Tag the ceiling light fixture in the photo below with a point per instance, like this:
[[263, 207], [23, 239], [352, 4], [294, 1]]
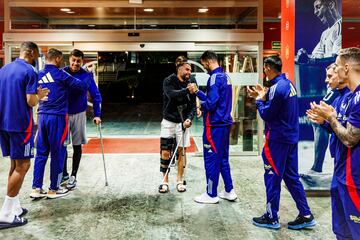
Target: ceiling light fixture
[[91, 25], [70, 12], [135, 1], [203, 10], [148, 10], [65, 9]]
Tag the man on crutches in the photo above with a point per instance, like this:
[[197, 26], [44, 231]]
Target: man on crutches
[[178, 111]]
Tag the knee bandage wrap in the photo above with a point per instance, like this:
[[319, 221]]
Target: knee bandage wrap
[[166, 144]]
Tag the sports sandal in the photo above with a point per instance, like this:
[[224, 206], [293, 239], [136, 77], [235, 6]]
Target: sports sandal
[[24, 212], [16, 223], [164, 188], [181, 186]]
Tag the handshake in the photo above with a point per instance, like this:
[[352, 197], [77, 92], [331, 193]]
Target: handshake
[[193, 88]]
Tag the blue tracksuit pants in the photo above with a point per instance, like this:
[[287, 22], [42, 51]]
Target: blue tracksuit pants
[[216, 158], [51, 136], [281, 162], [345, 215]]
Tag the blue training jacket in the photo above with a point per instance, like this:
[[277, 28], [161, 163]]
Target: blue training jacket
[[216, 103], [17, 79], [78, 98], [336, 104], [59, 83], [280, 111]]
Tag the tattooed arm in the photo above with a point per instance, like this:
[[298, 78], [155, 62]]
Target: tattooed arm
[[349, 136]]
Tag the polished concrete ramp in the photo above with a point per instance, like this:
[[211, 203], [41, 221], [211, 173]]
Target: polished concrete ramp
[[131, 208]]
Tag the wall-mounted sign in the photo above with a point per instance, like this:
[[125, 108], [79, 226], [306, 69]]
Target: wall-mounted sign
[[275, 45]]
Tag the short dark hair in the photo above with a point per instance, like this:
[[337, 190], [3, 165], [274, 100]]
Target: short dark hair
[[77, 53], [209, 55], [332, 65], [351, 54], [28, 46], [53, 53], [273, 62]]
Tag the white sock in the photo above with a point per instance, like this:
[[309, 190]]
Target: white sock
[[17, 210], [6, 212]]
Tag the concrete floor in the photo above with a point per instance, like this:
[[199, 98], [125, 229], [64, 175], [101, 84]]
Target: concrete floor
[[131, 208]]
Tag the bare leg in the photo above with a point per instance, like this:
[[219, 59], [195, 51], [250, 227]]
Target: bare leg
[[17, 176], [165, 154], [181, 162], [12, 168]]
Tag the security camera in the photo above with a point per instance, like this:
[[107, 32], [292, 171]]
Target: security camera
[[142, 45]]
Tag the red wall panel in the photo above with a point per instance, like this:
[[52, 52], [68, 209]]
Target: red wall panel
[[288, 37]]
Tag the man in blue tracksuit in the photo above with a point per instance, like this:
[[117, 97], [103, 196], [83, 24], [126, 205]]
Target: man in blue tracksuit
[[345, 123], [342, 89], [77, 113], [19, 92], [278, 107], [216, 107], [53, 124]]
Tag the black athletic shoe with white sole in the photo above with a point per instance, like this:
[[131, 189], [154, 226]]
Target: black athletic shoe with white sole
[[265, 222], [302, 222]]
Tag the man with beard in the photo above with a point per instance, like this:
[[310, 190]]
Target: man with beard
[[278, 107], [179, 109], [19, 93], [77, 113], [216, 108]]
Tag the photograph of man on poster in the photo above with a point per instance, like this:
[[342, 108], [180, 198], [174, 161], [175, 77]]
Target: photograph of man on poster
[[314, 53], [328, 12]]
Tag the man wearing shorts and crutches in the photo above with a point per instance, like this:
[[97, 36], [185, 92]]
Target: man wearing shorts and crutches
[[179, 110]]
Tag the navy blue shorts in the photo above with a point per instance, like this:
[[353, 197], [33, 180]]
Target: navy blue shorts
[[17, 145]]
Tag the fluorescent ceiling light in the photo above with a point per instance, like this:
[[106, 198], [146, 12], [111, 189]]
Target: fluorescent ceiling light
[[148, 10], [135, 1], [70, 12], [65, 9], [203, 10], [91, 25]]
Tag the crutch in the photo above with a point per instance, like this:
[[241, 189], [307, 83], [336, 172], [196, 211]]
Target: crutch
[[103, 156], [180, 110], [171, 160]]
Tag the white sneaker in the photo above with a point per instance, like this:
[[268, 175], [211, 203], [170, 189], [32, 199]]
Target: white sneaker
[[205, 198], [231, 196], [61, 192], [71, 185], [38, 193]]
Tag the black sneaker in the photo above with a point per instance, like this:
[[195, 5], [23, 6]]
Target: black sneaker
[[265, 222], [302, 222]]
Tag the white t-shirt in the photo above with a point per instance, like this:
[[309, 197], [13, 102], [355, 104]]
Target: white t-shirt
[[330, 42]]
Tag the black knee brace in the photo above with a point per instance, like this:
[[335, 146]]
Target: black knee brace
[[166, 144]]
